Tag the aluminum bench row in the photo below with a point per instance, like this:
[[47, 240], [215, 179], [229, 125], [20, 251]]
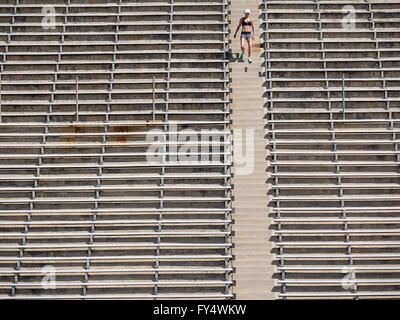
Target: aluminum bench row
[[112, 245], [123, 234], [320, 121], [344, 186], [325, 232], [102, 199], [327, 2], [109, 211], [119, 4], [149, 133], [114, 123], [96, 42], [119, 33], [112, 223], [184, 296], [112, 24], [334, 175]]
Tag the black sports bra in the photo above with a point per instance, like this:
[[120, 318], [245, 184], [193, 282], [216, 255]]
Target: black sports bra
[[246, 23]]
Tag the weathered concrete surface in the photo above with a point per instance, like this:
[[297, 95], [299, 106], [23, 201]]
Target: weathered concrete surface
[[253, 259]]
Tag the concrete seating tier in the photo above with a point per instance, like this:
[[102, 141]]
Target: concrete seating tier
[[334, 167], [79, 199]]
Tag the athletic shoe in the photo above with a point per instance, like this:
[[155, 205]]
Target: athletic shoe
[[241, 56], [249, 60]]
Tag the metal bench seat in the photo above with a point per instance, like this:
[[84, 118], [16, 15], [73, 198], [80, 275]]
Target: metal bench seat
[[115, 258], [108, 165], [110, 154], [96, 42], [117, 61], [114, 113], [324, 20], [120, 199], [138, 296], [155, 4], [356, 268], [329, 30], [111, 123], [341, 69], [339, 256], [116, 71], [337, 130], [103, 134], [340, 220], [337, 186], [323, 2], [333, 175], [109, 211], [115, 91], [113, 81], [309, 141], [334, 120], [332, 152], [381, 294], [333, 40], [111, 24], [366, 198], [111, 234], [292, 59], [81, 188], [92, 271], [322, 110], [354, 244], [108, 245], [332, 50], [114, 222], [115, 284], [337, 209], [340, 281], [334, 232], [112, 101], [106, 51], [86, 176], [114, 33]]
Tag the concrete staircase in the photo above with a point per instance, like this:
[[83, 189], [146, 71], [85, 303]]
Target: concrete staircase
[[335, 174], [252, 251]]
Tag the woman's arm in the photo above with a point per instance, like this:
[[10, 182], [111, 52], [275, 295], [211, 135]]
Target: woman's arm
[[252, 26], [238, 27]]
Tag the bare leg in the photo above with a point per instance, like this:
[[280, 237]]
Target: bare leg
[[249, 42], [242, 44]]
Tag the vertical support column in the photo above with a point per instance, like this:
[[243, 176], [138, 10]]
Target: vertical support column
[[343, 98], [154, 99], [76, 100], [167, 95], [227, 156], [1, 120], [160, 216]]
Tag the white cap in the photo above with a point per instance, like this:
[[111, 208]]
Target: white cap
[[246, 10]]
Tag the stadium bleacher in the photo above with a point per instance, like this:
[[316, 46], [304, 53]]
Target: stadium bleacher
[[78, 199], [334, 153]]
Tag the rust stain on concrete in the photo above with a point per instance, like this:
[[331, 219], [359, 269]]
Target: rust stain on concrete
[[76, 130], [122, 129]]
